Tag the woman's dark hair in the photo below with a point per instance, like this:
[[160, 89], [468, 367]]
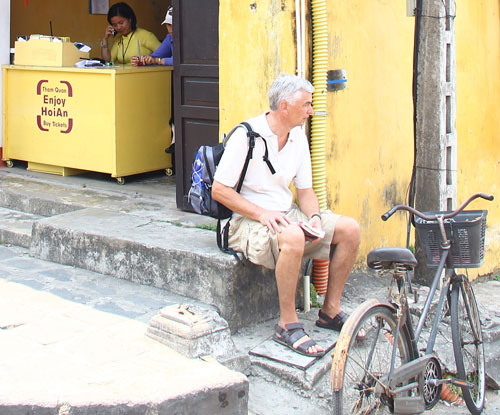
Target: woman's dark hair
[[124, 10]]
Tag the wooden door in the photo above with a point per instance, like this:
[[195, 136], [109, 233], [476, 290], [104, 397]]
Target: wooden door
[[196, 85]]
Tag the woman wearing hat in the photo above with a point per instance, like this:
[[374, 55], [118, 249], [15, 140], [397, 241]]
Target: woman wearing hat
[[164, 54], [130, 39]]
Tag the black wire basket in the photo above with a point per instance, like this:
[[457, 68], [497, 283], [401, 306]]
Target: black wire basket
[[466, 231]]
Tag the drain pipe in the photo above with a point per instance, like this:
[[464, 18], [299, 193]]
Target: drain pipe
[[318, 120], [318, 124], [298, 36], [300, 24]]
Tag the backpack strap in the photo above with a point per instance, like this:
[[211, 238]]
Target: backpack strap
[[266, 159], [251, 145], [252, 134], [223, 240], [210, 167], [223, 234]]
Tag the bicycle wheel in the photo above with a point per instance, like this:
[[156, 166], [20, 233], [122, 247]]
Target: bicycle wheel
[[367, 359], [468, 343]]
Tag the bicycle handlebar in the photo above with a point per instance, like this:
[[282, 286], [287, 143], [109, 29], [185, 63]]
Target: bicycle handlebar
[[451, 214]]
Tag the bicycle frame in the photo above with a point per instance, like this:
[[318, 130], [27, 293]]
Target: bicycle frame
[[449, 274], [445, 264]]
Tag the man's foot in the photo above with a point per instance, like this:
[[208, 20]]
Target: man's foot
[[336, 323], [294, 337]]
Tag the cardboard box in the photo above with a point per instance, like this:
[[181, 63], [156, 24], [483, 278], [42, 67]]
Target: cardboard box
[[44, 52]]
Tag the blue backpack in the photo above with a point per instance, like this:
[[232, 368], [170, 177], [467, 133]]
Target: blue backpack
[[205, 163]]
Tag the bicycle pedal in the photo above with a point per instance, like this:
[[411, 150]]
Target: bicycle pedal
[[409, 405], [457, 382]]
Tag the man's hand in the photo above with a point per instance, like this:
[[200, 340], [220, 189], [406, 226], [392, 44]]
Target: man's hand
[[315, 222], [274, 220]]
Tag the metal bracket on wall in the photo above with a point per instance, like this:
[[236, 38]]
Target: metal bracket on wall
[[337, 80], [411, 7]]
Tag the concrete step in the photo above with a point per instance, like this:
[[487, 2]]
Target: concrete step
[[48, 195], [178, 259], [134, 233], [16, 227]]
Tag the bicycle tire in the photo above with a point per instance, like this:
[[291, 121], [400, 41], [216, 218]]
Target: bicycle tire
[[357, 393], [468, 346]]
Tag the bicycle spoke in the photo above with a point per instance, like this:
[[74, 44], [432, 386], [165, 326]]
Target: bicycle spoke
[[470, 314], [467, 343], [366, 372]]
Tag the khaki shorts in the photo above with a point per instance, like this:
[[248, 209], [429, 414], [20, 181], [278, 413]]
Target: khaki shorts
[[260, 246]]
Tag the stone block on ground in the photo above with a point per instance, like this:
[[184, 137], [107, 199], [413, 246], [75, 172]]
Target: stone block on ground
[[193, 332]]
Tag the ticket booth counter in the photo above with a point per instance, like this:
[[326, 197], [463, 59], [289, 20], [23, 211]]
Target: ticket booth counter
[[65, 120]]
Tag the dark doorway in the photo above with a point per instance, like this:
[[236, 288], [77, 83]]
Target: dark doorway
[[196, 85]]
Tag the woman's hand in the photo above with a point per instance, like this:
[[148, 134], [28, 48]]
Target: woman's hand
[[142, 60], [109, 32], [135, 60], [104, 43], [147, 60]]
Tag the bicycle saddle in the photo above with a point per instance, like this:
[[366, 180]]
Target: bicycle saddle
[[389, 256]]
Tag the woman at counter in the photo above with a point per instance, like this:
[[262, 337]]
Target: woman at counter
[[164, 54], [130, 40]]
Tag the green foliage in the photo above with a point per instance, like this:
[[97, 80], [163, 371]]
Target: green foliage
[[208, 226], [314, 297], [454, 388]]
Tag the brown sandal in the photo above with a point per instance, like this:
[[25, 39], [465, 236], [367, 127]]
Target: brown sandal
[[336, 323], [292, 333]]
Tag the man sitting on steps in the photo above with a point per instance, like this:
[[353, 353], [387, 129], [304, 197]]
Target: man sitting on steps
[[265, 220]]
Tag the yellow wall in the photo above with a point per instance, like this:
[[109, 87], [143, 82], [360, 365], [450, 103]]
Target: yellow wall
[[256, 44], [71, 18], [477, 32], [369, 128]]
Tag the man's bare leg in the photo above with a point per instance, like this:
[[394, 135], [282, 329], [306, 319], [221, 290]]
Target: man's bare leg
[[291, 242], [346, 239]]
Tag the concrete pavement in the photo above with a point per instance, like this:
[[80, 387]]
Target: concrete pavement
[[74, 341]]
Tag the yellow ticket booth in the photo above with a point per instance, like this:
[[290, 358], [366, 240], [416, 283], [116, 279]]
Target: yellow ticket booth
[[63, 120]]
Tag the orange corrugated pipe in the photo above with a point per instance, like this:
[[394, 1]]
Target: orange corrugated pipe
[[320, 275]]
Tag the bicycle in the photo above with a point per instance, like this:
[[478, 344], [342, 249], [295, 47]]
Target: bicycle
[[377, 366]]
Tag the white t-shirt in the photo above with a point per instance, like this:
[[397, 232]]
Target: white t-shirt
[[260, 186]]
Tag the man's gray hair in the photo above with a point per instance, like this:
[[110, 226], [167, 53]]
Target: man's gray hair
[[285, 87]]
